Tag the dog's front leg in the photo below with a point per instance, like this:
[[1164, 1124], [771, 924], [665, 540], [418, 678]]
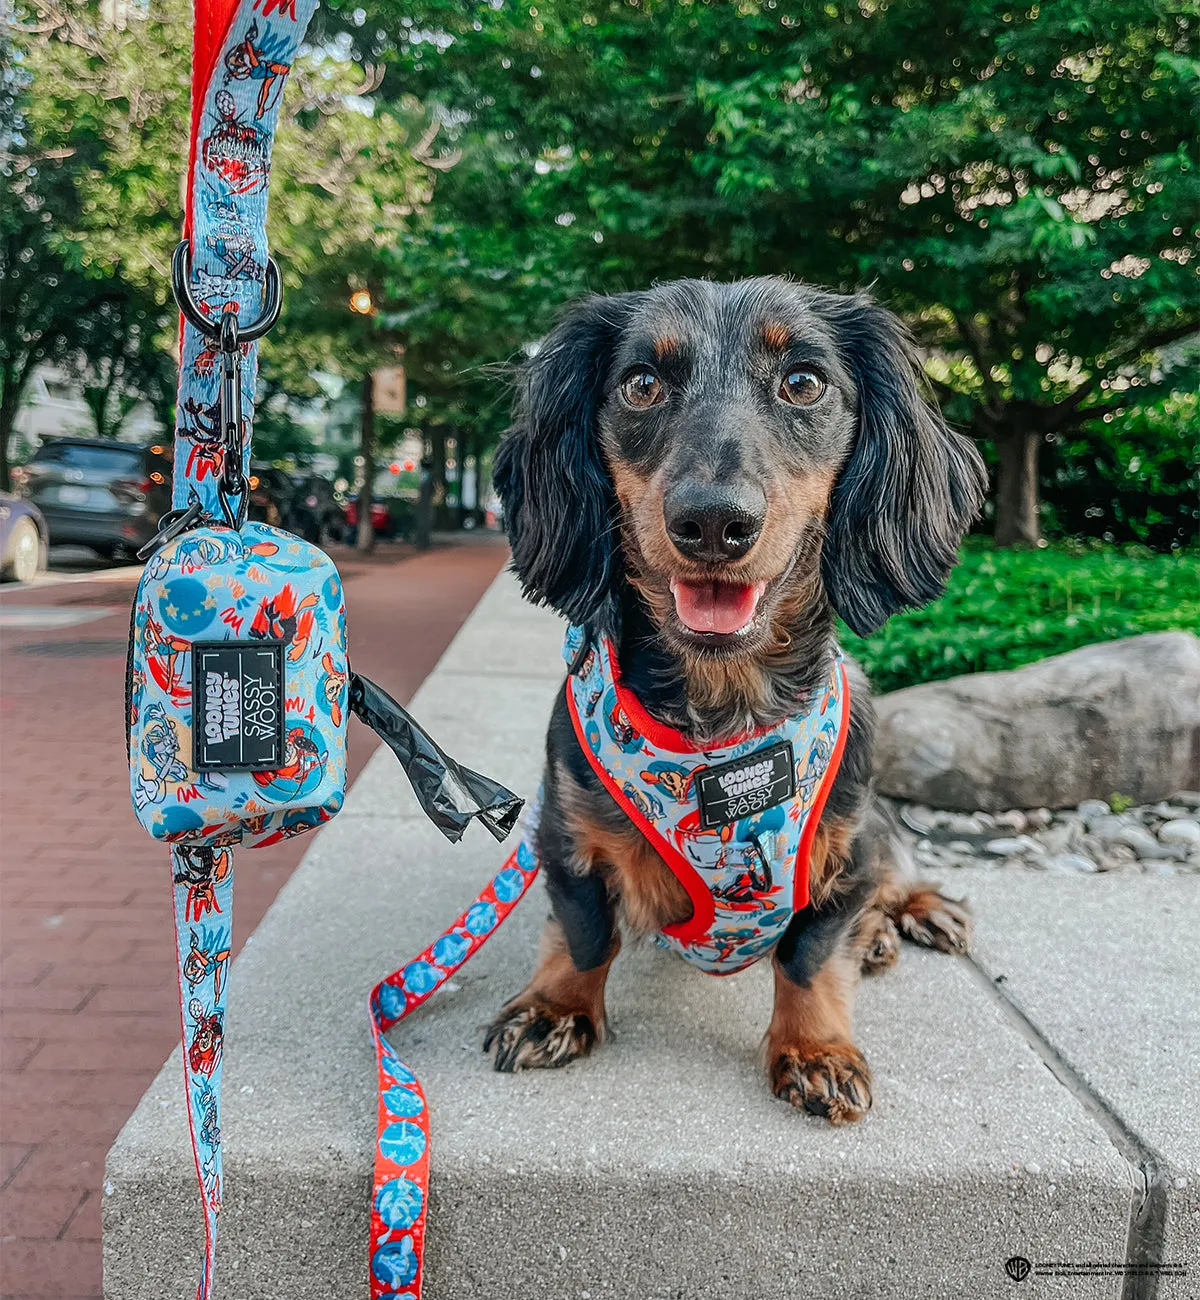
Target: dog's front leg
[[559, 1015], [812, 1061]]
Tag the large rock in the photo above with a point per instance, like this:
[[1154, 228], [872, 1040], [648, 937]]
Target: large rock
[[1123, 716]]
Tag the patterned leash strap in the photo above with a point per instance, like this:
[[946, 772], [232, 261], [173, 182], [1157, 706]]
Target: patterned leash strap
[[400, 1197], [229, 289]]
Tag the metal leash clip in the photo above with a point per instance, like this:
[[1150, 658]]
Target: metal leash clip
[[230, 337], [173, 523]]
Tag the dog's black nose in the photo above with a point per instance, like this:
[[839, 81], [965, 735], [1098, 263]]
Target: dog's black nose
[[713, 522]]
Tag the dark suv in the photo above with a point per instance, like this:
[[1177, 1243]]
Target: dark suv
[[97, 493]]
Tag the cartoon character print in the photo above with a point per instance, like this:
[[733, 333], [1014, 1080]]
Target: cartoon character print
[[303, 764], [204, 1049], [745, 878], [204, 432], [811, 767], [209, 1129], [235, 151], [160, 748], [165, 657], [618, 724], [332, 688], [650, 807], [296, 821], [281, 617], [285, 8], [671, 777], [248, 61], [137, 688], [207, 955], [202, 870], [234, 248]]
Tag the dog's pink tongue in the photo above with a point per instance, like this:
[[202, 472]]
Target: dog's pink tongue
[[722, 607]]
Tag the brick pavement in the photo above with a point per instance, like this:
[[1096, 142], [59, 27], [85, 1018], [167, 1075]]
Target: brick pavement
[[88, 1008]]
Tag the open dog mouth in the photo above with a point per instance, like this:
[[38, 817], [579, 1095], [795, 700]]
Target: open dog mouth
[[717, 608]]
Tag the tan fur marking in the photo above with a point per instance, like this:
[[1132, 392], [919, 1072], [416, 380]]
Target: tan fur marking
[[811, 1061], [819, 1013], [776, 335], [665, 345], [558, 982], [647, 891], [830, 854]]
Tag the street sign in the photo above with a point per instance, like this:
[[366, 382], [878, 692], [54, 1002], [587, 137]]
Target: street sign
[[390, 390]]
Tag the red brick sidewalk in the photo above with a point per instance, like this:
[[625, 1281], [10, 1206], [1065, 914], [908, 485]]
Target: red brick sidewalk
[[88, 1008]]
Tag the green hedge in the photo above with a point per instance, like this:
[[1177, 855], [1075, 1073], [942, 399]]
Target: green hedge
[[1006, 608]]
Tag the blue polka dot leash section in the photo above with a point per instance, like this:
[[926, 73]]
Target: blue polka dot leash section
[[400, 1197]]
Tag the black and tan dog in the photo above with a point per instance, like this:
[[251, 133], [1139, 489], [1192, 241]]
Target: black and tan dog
[[704, 473]]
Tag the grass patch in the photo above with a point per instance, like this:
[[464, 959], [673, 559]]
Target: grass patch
[[1007, 608]]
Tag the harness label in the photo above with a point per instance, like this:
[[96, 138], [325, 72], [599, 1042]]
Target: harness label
[[746, 785], [237, 702]]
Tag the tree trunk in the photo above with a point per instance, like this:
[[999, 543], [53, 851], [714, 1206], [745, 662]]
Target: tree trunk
[[12, 386], [366, 533], [1017, 489]]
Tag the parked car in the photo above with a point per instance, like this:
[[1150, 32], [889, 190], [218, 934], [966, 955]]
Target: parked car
[[271, 493], [98, 493], [315, 514], [381, 520], [23, 539]]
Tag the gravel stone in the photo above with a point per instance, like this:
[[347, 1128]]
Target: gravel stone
[[1180, 831], [1037, 818], [1139, 840], [1090, 809], [960, 824], [1189, 798], [1070, 864], [1108, 828], [1014, 821], [918, 818]]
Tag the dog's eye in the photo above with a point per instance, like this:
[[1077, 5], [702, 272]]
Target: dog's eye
[[642, 390], [802, 387]]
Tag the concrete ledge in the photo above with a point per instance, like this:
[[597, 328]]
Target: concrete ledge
[[659, 1168]]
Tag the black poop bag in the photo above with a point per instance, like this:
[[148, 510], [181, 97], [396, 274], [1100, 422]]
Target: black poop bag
[[449, 793]]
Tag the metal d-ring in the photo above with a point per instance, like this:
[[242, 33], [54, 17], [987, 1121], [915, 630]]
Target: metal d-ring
[[181, 277]]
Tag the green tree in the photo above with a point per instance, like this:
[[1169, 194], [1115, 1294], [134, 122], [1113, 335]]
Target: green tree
[[94, 137], [1020, 182]]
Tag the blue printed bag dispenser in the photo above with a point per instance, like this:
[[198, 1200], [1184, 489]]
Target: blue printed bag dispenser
[[237, 690]]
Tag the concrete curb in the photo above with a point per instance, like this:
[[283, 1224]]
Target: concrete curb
[[659, 1168]]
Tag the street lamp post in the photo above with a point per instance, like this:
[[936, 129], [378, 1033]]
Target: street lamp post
[[363, 305]]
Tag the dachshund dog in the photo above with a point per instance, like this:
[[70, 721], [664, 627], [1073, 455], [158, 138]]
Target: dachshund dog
[[704, 473]]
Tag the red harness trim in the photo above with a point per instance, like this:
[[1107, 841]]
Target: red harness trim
[[801, 897], [703, 909]]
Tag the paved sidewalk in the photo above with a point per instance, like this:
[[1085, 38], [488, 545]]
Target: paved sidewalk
[[88, 1008], [1032, 1106]]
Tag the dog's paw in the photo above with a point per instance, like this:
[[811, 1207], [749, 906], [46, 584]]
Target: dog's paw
[[830, 1079], [535, 1035], [879, 942], [928, 918]]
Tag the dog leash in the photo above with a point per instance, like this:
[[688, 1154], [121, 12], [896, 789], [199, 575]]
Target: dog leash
[[242, 53], [400, 1191]]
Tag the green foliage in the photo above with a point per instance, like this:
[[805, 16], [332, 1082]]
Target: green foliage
[[1020, 181], [1132, 476], [94, 106], [1007, 608]]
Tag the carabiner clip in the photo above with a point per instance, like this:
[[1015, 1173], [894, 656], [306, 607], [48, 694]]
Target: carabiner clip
[[181, 287]]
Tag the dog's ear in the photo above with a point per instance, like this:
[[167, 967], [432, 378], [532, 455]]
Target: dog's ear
[[910, 487], [560, 510]]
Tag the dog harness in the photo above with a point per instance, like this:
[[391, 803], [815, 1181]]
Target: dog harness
[[734, 821]]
